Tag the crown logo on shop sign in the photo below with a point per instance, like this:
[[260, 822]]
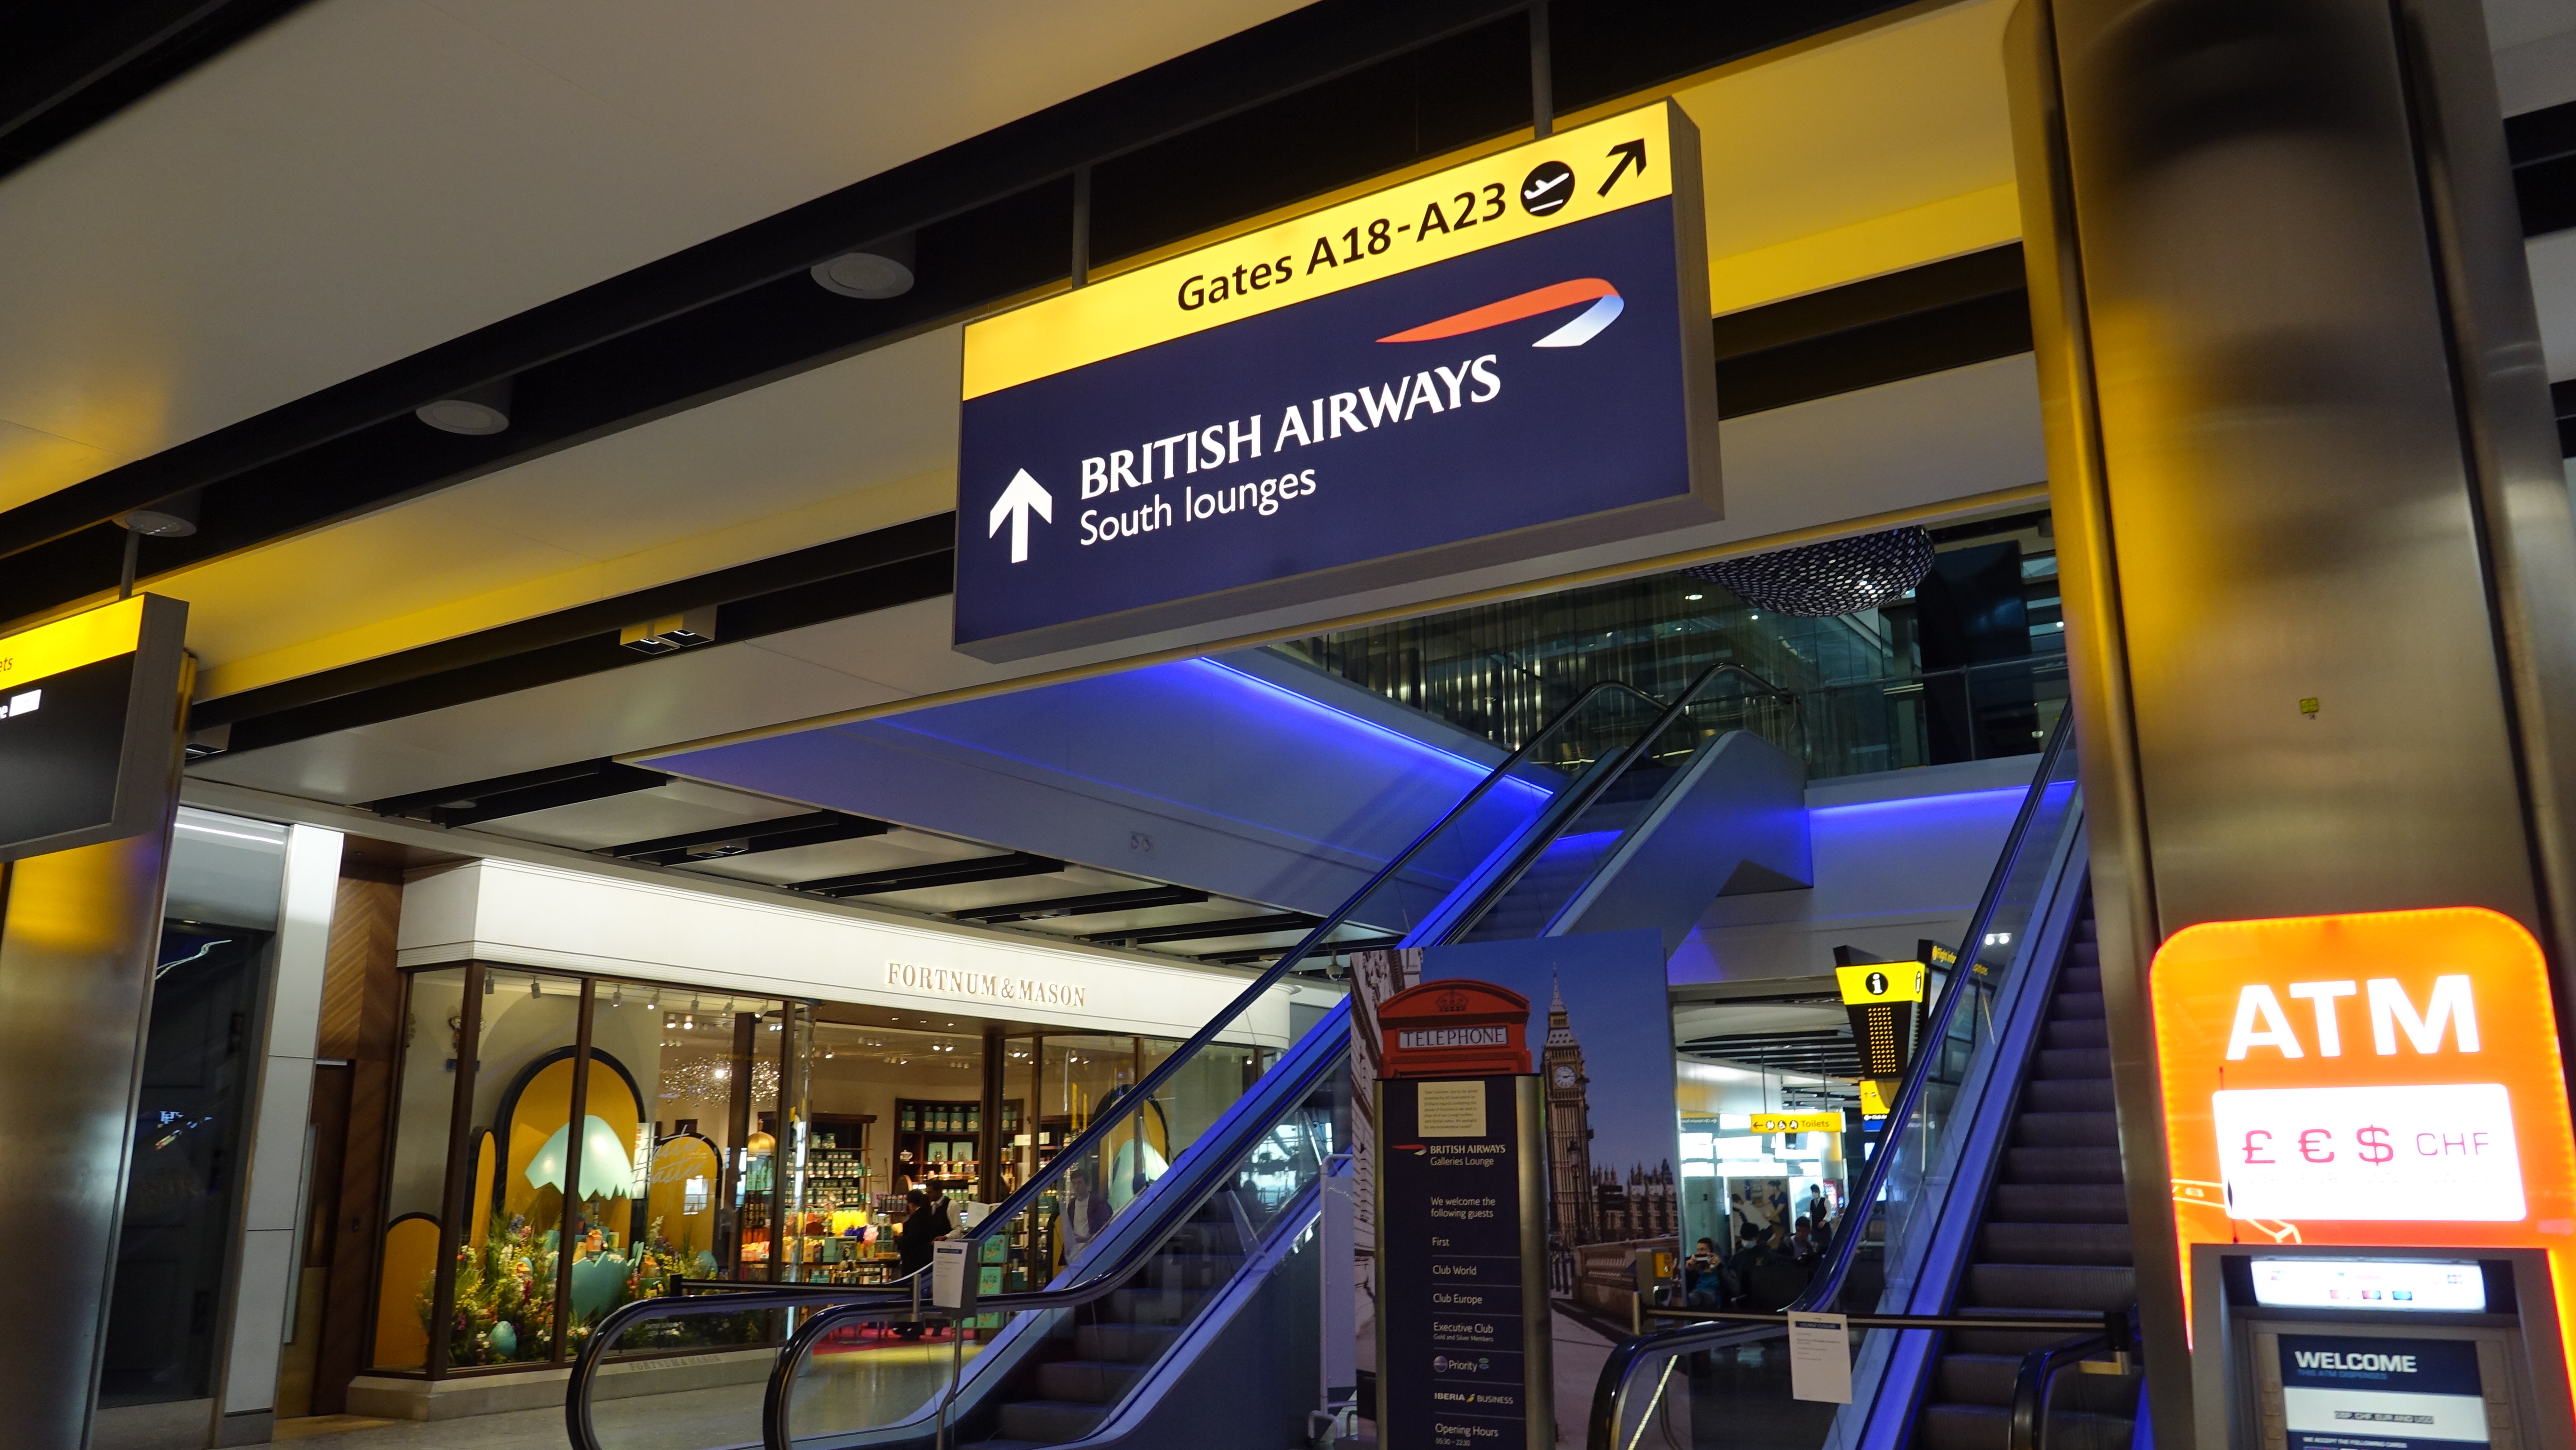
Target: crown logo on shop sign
[[1452, 1002]]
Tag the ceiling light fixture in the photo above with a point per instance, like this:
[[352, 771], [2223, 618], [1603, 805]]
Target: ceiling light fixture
[[882, 270], [474, 412], [174, 517]]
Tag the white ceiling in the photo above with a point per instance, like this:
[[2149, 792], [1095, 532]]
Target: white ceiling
[[366, 178]]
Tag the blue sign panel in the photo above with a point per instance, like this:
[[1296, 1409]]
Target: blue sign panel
[[2347, 1393], [1541, 393]]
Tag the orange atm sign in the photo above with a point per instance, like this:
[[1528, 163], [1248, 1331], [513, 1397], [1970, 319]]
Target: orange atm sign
[[2385, 1078]]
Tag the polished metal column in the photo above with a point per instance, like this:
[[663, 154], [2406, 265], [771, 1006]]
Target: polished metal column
[[79, 934], [2319, 573]]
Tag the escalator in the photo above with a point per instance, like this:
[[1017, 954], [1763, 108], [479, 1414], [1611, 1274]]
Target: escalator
[[1143, 1333], [2054, 1237], [2001, 1225]]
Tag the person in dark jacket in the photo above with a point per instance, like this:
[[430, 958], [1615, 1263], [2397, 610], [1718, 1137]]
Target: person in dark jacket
[[924, 1226]]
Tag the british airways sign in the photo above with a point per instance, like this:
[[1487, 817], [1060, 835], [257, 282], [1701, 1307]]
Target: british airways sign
[[1505, 360]]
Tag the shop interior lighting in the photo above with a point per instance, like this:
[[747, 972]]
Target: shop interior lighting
[[1694, 597]]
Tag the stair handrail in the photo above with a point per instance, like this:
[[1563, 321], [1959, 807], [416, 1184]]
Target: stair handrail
[[1630, 1354], [2027, 1429], [1102, 1127], [1579, 800], [835, 1305]]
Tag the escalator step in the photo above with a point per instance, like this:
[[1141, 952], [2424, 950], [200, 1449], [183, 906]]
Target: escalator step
[[1976, 1379], [1087, 1381], [1966, 1427], [2066, 1130], [2056, 1243], [1048, 1422], [1188, 1271], [2069, 1095], [2065, 1033], [2064, 1062], [2093, 1287], [1123, 1343], [2075, 1007], [1151, 1306], [2084, 979], [2046, 1202], [2062, 1165]]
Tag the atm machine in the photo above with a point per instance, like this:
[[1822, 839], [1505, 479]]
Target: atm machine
[[2332, 1347]]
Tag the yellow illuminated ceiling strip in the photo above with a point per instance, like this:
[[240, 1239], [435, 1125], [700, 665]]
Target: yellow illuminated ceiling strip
[[1431, 219], [68, 644]]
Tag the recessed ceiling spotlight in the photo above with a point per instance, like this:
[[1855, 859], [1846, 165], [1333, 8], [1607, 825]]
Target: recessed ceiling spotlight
[[475, 412], [880, 271]]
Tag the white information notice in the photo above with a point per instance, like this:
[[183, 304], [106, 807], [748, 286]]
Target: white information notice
[[2441, 1153], [1451, 1109], [1820, 1357]]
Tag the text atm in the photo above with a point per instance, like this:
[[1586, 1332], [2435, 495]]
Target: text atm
[[2330, 1347]]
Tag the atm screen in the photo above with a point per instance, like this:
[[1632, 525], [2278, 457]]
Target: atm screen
[[2396, 1285], [2340, 1393]]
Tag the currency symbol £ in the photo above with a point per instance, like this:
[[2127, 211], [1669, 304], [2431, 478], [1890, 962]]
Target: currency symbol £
[[2374, 1145]]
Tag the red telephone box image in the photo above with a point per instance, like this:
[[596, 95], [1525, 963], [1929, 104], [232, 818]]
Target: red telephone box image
[[1455, 1028]]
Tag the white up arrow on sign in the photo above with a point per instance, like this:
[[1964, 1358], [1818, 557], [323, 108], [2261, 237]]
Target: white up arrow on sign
[[1024, 494]]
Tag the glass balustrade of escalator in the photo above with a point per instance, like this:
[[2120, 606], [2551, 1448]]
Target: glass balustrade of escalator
[[1715, 1386], [1100, 1213]]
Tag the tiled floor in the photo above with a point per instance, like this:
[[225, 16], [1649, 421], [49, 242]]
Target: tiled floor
[[841, 1392]]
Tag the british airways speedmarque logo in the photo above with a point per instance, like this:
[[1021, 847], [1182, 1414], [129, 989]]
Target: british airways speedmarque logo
[[1605, 309]]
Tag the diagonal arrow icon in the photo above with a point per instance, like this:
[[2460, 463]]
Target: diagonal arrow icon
[[1024, 494], [1630, 153]]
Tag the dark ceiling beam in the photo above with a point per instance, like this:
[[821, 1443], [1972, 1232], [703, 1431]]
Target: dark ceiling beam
[[1263, 954], [2541, 146], [1091, 905], [2562, 401], [1326, 96], [723, 843], [66, 67], [934, 873], [517, 795], [1210, 930]]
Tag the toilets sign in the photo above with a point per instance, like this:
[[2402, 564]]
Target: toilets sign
[[1506, 359], [2385, 1078]]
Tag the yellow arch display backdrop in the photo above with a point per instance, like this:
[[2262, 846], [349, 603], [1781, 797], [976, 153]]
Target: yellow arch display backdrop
[[543, 1109], [682, 1194], [411, 1254]]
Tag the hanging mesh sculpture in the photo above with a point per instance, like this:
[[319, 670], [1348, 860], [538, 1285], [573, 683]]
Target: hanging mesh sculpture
[[1837, 577]]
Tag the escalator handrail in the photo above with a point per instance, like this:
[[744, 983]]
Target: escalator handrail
[[1579, 800], [1827, 1286], [1182, 1198], [778, 1399], [839, 1304], [1089, 1138]]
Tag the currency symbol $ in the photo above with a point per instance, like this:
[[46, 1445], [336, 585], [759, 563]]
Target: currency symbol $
[[2374, 1145]]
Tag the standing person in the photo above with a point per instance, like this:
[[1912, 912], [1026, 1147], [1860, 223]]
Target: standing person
[[1086, 1210], [922, 1227]]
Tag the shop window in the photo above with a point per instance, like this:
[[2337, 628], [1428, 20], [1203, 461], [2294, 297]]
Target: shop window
[[619, 1134]]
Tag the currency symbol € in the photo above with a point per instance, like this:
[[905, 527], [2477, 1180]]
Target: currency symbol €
[[2374, 1145]]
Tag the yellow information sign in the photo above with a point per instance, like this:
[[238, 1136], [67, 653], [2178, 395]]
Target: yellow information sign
[[1797, 1122], [68, 644], [1873, 1102], [1876, 982], [1483, 203]]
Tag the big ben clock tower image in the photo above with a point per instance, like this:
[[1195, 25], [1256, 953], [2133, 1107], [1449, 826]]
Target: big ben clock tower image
[[1569, 1130]]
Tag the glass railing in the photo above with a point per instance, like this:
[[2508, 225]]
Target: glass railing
[[1093, 1227], [1725, 1380]]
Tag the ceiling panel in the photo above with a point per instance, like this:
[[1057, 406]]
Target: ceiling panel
[[861, 444], [369, 177], [642, 815], [894, 849]]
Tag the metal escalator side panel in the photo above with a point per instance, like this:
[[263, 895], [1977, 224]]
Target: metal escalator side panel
[[1732, 820], [1250, 1362], [1939, 1230]]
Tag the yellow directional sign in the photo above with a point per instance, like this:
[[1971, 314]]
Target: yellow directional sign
[[1875, 982], [1797, 1122]]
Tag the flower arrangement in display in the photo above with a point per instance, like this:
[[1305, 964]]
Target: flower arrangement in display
[[505, 1297]]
